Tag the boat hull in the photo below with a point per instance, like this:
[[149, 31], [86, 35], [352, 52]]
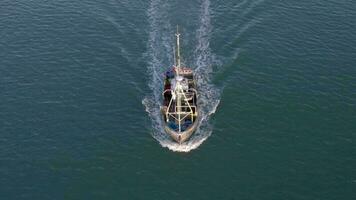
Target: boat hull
[[181, 137]]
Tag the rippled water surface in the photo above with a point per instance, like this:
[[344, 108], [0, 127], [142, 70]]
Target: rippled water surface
[[80, 85]]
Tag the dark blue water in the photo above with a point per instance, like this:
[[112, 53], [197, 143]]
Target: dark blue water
[[80, 83]]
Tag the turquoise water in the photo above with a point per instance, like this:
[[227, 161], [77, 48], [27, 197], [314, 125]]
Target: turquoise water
[[80, 81]]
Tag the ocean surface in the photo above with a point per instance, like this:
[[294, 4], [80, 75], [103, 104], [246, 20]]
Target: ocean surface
[[81, 81]]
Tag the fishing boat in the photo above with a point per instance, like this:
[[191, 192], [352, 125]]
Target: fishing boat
[[179, 107]]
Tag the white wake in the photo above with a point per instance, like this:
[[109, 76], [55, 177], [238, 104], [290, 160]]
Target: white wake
[[160, 53]]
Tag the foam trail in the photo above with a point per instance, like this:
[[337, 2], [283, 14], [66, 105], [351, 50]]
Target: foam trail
[[209, 95], [161, 57]]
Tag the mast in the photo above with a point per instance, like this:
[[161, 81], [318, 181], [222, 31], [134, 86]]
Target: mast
[[178, 52], [178, 88], [174, 56]]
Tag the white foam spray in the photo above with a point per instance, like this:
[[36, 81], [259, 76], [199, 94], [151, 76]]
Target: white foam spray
[[160, 54]]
